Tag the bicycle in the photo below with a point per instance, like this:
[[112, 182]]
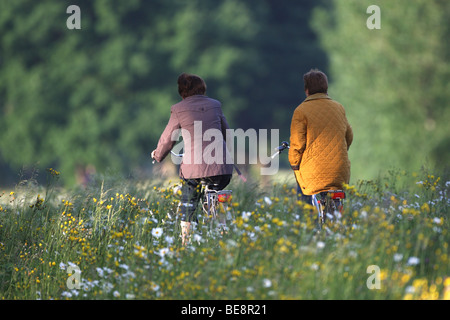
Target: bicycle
[[212, 198], [215, 204], [329, 204]]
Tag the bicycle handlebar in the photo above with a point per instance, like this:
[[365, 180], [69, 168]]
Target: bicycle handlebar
[[177, 154], [284, 145]]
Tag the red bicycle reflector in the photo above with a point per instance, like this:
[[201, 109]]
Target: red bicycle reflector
[[224, 195], [338, 195]]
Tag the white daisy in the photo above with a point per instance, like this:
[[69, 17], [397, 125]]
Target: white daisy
[[157, 232]]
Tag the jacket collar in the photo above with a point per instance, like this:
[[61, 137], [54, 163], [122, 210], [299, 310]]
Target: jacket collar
[[317, 96], [195, 96]]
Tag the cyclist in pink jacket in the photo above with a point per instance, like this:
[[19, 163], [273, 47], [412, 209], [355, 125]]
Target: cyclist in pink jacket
[[198, 117]]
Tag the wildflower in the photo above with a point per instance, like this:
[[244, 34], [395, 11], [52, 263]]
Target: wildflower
[[267, 283], [246, 215], [53, 172], [236, 273], [157, 232], [267, 200], [412, 261], [107, 287], [107, 270], [116, 294], [315, 266], [162, 252], [177, 190], [197, 237], [155, 287], [99, 271], [231, 243], [124, 266], [410, 290], [425, 207], [169, 239], [320, 244], [398, 257], [447, 289], [405, 278]]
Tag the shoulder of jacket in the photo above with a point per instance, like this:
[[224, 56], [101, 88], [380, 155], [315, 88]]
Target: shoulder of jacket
[[213, 100], [299, 112], [178, 105], [339, 105]]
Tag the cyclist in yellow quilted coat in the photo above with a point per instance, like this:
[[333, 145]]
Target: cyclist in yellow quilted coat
[[320, 139]]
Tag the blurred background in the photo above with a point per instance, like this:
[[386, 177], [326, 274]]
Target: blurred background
[[97, 99]]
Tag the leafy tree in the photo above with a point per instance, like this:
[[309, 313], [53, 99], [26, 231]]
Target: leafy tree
[[393, 81], [101, 95]]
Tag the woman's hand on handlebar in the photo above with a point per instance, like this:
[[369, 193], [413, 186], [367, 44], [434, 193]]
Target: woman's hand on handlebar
[[152, 155]]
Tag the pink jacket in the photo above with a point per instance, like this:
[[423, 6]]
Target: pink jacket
[[203, 127]]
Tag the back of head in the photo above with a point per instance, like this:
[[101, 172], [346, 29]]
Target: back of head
[[190, 85], [315, 81]]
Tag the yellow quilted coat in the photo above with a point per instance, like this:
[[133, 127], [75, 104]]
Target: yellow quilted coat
[[320, 138]]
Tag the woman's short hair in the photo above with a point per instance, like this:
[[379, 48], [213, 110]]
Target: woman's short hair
[[315, 81], [190, 85]]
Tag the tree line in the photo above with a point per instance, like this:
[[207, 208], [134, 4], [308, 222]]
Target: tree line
[[99, 96]]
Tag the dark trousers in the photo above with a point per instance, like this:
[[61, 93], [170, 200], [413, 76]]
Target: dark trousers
[[303, 197], [191, 192]]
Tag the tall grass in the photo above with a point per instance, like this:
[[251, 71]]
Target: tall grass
[[391, 242]]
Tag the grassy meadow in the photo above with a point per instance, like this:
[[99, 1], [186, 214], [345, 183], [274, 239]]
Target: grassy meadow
[[119, 239]]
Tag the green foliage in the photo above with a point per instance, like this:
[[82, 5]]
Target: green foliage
[[101, 95], [392, 81]]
